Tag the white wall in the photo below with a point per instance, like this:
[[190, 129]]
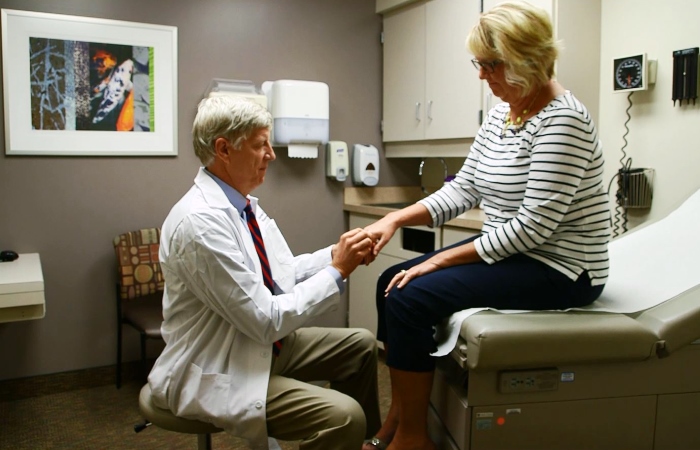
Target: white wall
[[661, 136]]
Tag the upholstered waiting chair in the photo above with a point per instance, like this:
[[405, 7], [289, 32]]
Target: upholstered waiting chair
[[139, 289]]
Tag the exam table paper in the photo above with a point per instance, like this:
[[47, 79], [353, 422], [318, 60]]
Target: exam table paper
[[647, 267]]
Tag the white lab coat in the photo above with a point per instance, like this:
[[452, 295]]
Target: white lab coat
[[220, 320]]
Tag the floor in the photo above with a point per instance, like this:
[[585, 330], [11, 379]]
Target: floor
[[85, 411]]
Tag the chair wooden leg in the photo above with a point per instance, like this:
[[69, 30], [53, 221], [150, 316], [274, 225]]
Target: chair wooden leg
[[204, 442], [119, 355]]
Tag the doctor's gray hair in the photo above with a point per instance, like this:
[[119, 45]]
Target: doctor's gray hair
[[231, 118], [521, 36]]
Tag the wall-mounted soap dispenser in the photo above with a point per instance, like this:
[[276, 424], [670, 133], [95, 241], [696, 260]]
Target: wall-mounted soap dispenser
[[337, 166], [365, 165]]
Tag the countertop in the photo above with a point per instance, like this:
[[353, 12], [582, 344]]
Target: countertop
[[365, 200]]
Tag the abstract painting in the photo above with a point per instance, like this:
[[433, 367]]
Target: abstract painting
[[72, 94]]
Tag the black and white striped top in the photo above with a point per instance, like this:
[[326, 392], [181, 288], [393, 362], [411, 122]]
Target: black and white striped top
[[542, 190]]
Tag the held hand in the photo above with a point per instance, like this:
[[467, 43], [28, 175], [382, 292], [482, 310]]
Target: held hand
[[381, 233], [351, 250], [402, 278]]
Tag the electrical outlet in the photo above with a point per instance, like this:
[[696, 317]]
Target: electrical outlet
[[521, 381]]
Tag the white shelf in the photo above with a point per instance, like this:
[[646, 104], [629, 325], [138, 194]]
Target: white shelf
[[22, 289]]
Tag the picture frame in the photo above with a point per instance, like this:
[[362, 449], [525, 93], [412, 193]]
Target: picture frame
[[75, 85]]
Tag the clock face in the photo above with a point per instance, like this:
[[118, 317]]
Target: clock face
[[629, 73]]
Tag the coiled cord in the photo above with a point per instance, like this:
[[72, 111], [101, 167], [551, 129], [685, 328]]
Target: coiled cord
[[619, 221]]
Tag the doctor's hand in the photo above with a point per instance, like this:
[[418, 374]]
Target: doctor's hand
[[350, 251]]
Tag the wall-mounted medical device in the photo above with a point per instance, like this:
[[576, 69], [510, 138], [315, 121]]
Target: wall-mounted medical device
[[337, 166], [300, 112], [685, 75], [634, 185], [237, 88], [633, 73], [365, 165]]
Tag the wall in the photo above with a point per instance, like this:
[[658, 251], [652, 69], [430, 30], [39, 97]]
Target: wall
[[661, 136], [68, 209]]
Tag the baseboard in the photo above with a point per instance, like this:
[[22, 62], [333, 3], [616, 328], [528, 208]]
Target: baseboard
[[21, 388]]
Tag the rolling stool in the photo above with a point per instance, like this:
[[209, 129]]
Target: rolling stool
[[163, 418]]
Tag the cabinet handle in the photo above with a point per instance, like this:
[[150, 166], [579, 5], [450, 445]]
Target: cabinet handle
[[418, 111], [430, 110]]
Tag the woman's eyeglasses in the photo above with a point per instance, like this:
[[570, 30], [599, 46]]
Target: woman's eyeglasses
[[488, 66]]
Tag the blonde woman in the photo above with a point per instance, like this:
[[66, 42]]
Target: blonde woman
[[536, 165]]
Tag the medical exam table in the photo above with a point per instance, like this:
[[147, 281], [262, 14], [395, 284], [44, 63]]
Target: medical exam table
[[623, 373]]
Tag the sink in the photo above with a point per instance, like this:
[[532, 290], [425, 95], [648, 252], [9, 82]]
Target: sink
[[398, 205]]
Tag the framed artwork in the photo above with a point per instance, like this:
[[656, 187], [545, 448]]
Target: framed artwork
[[84, 86]]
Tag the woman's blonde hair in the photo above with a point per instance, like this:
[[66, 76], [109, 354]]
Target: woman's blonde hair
[[521, 36]]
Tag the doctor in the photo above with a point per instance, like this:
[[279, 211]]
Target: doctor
[[221, 319]]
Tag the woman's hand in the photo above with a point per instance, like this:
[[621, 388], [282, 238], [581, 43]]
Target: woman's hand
[[402, 278], [383, 230], [461, 254], [381, 233]]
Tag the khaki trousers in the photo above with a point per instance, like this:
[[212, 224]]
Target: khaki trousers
[[337, 418]]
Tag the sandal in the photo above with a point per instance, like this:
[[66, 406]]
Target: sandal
[[378, 443]]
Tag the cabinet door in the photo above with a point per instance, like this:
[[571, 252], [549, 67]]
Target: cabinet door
[[453, 235], [362, 283], [453, 88], [404, 74]]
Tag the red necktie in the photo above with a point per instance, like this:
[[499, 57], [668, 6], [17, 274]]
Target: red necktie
[[262, 254]]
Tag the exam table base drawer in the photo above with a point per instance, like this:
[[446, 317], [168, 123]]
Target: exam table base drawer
[[601, 424], [677, 422]]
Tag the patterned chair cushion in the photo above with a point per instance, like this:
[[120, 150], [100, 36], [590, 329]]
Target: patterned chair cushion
[[139, 268]]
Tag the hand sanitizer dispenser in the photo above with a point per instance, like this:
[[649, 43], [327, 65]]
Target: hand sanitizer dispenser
[[365, 165], [337, 160], [300, 111]]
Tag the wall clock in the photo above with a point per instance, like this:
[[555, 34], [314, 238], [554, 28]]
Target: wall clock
[[630, 73]]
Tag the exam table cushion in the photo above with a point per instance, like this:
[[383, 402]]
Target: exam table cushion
[[650, 307], [676, 322], [535, 339], [491, 339]]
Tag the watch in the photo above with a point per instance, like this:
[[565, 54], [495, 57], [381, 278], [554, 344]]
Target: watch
[[630, 73]]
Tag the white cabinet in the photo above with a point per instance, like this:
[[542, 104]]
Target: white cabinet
[[384, 6], [407, 243], [430, 89], [362, 285], [452, 235], [577, 27]]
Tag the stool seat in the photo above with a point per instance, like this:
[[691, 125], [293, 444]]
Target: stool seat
[[163, 418]]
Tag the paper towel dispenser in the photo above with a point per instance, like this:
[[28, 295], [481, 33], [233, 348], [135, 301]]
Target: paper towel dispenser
[[300, 112]]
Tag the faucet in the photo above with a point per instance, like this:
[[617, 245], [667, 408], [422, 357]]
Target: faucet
[[420, 173]]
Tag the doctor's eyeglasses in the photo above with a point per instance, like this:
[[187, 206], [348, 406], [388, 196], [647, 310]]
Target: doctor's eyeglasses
[[488, 66]]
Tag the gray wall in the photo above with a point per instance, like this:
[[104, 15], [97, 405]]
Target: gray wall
[[68, 209]]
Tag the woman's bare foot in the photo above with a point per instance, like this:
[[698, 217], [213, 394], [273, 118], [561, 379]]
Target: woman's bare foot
[[413, 445], [387, 431], [384, 435], [375, 444]]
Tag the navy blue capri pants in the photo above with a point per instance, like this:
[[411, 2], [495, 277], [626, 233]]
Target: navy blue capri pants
[[407, 316]]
